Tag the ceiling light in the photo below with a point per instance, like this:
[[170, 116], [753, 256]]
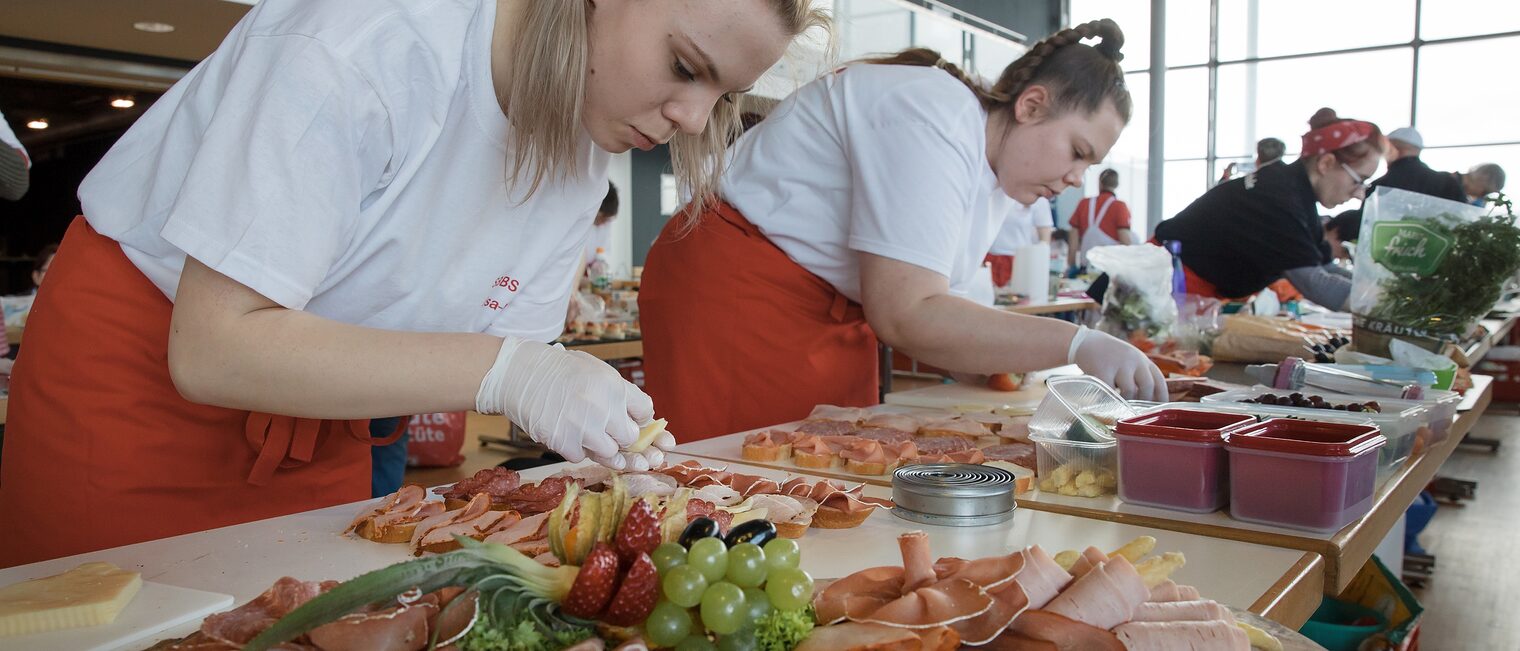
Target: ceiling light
[[152, 27], [122, 102], [39, 123]]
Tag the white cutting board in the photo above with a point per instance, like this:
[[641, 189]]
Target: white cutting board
[[155, 609], [972, 397]]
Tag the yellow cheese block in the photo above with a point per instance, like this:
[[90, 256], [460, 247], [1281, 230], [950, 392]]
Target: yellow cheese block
[[89, 595], [647, 435]]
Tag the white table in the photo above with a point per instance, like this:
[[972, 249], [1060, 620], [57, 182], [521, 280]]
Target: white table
[[243, 560]]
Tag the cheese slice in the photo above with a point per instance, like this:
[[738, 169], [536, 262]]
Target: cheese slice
[[89, 595], [647, 435]]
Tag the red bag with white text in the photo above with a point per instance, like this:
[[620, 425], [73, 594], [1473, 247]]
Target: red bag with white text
[[434, 440]]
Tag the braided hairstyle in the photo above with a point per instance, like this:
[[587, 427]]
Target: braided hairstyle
[[1079, 76]]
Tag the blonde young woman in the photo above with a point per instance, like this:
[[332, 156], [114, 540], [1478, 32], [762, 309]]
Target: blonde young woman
[[861, 208], [352, 209]]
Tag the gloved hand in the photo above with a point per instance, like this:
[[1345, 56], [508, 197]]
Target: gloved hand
[[571, 402], [1121, 365]]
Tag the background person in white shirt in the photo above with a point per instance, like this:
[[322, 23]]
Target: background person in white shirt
[[1024, 225], [352, 209], [862, 206]]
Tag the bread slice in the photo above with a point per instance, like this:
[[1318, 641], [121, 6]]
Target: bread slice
[[766, 453], [821, 461], [865, 467], [396, 533]]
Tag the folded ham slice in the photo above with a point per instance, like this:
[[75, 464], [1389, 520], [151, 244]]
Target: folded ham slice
[[1062, 632], [475, 520], [1104, 597], [1211, 635]]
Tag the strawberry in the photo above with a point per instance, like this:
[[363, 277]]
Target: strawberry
[[639, 533], [636, 596], [594, 584]]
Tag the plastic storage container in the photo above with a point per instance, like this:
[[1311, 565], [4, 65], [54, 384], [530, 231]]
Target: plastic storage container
[[1080, 408], [1075, 468], [1175, 458], [1303, 474], [1399, 423], [1440, 408], [1075, 450]]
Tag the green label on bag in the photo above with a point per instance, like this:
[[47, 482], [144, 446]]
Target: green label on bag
[[1409, 246]]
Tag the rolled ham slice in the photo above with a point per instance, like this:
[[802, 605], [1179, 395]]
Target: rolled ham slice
[[1201, 610], [1182, 636], [1090, 558], [1104, 597], [1041, 577]]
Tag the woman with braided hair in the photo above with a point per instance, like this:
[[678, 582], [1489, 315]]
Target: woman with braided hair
[[861, 208]]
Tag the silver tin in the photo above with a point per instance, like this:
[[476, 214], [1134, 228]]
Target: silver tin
[[953, 494]]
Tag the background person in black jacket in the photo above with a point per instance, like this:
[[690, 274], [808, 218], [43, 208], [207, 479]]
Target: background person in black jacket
[[1407, 172]]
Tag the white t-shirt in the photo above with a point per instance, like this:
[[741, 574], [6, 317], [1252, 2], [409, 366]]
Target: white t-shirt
[[349, 158], [882, 159], [1020, 228], [9, 138]]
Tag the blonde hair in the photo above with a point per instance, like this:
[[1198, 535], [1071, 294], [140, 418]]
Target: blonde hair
[[549, 59]]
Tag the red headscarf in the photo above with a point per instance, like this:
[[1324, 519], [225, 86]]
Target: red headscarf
[[1336, 135]]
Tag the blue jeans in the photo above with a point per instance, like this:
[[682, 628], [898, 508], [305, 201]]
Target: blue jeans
[[387, 462]]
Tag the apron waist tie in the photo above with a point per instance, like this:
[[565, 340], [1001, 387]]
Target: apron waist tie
[[288, 442]]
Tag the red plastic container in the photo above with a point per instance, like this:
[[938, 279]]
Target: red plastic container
[[1303, 474], [1175, 458]]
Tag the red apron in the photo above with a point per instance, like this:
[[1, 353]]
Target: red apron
[[1197, 285], [101, 450], [738, 336]]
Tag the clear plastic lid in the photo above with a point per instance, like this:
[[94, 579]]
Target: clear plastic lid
[[1080, 409]]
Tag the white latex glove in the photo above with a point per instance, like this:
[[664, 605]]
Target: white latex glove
[[571, 402], [1116, 362]]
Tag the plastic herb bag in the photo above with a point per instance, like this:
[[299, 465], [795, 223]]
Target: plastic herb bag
[[1138, 306], [1427, 269]]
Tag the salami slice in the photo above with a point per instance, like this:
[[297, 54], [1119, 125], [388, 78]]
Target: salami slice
[[497, 482], [934, 445], [884, 434], [532, 499], [827, 428], [1019, 454]]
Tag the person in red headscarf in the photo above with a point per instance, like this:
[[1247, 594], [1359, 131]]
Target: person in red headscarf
[[1246, 234]]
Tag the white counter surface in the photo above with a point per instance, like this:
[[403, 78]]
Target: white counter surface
[[243, 560]]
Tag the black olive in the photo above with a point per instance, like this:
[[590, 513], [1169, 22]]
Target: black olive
[[758, 532], [698, 529]]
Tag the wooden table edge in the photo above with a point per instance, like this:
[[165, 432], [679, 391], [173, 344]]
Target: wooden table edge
[[1296, 595]]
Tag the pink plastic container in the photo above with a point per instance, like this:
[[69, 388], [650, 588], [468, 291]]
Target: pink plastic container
[[1175, 458], [1303, 474]]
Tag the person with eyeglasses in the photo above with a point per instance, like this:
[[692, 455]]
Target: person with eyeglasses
[[1246, 234]]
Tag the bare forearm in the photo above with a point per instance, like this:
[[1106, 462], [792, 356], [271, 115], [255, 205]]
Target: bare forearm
[[957, 334], [231, 347], [297, 364]]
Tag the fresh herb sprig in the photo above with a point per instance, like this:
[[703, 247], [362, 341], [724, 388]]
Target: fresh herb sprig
[[1484, 254]]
